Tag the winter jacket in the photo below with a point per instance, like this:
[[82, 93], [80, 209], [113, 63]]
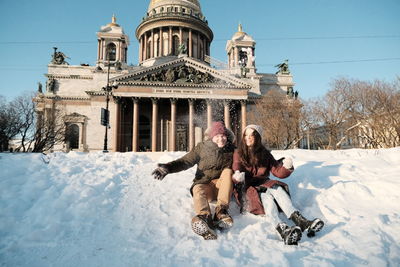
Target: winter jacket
[[257, 181], [210, 159]]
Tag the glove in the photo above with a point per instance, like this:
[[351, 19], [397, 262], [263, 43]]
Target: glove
[[160, 172], [238, 176], [288, 163]]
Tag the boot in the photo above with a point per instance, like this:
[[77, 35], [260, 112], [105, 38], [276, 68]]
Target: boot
[[311, 226], [222, 219], [290, 235], [203, 226]]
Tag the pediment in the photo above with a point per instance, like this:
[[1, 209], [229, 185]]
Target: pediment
[[185, 72]]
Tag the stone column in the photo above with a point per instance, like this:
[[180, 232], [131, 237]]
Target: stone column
[[190, 43], [152, 45], [154, 122], [180, 36], [236, 55], [170, 41], [116, 124], [135, 127], [145, 46], [173, 126], [227, 114], [209, 113], [191, 123], [244, 114], [140, 49], [161, 43]]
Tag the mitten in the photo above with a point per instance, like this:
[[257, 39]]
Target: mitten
[[160, 172], [288, 163], [238, 176]]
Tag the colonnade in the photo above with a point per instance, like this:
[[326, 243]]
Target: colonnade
[[172, 129], [156, 36]]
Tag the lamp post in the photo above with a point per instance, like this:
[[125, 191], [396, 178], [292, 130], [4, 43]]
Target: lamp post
[[108, 89]]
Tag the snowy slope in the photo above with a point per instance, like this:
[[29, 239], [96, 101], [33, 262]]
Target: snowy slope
[[106, 210]]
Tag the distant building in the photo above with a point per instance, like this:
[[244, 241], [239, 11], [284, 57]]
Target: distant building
[[168, 100]]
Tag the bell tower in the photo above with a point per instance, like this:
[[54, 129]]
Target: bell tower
[[241, 53], [112, 44]]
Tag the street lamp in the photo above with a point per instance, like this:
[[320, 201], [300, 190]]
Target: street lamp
[[105, 118]]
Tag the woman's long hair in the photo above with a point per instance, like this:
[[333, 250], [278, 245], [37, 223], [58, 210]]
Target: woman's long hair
[[252, 156]]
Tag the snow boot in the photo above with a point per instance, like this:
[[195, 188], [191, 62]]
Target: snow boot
[[222, 219], [290, 235], [203, 226], [311, 226]]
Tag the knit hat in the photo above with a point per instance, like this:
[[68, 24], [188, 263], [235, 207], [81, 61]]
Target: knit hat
[[217, 127], [257, 128]]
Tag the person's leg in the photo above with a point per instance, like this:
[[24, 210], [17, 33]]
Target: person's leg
[[202, 223], [225, 187], [201, 195], [290, 235], [270, 207], [283, 200], [286, 205]]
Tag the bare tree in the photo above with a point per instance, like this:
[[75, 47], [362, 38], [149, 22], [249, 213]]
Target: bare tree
[[280, 117], [38, 131], [368, 113], [10, 123]]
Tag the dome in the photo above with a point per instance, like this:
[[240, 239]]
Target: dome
[[240, 35], [193, 4]]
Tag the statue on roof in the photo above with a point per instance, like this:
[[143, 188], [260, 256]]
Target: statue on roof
[[59, 58], [182, 49], [283, 68]]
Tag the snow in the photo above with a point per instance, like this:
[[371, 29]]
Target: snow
[[95, 209]]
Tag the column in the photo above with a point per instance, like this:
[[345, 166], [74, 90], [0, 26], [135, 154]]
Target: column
[[190, 44], [244, 114], [140, 49], [161, 43], [135, 131], [198, 45], [227, 114], [116, 124], [80, 127], [152, 45], [236, 55], [170, 41], [209, 113], [173, 126], [191, 123], [154, 121], [145, 47], [180, 36]]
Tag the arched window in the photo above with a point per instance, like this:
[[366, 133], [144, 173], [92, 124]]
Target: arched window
[[72, 136], [111, 52]]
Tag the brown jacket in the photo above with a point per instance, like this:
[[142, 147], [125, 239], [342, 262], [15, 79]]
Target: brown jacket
[[210, 159], [257, 181]]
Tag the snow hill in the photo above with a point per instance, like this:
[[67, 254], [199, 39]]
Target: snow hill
[[95, 209]]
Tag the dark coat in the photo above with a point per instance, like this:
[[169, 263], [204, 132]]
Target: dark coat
[[257, 181], [210, 159]]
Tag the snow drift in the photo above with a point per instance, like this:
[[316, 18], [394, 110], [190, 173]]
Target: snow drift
[[98, 209]]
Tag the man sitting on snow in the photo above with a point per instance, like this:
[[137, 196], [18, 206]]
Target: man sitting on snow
[[213, 179]]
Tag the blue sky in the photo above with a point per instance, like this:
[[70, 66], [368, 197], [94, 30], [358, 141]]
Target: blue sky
[[322, 39]]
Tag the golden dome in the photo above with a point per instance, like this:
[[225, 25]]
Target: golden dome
[[194, 4]]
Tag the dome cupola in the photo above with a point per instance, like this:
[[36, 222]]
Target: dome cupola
[[173, 27]]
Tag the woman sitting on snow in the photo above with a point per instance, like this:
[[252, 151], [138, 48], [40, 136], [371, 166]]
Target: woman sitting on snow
[[258, 194], [213, 179]]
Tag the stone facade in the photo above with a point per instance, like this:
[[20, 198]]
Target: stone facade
[[168, 100]]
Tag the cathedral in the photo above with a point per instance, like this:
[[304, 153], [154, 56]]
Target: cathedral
[[166, 101]]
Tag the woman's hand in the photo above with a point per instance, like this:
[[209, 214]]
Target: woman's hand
[[238, 177]]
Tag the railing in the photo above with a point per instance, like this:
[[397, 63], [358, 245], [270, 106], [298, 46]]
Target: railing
[[216, 63]]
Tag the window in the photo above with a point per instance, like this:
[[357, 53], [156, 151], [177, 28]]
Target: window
[[72, 136], [111, 52]]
